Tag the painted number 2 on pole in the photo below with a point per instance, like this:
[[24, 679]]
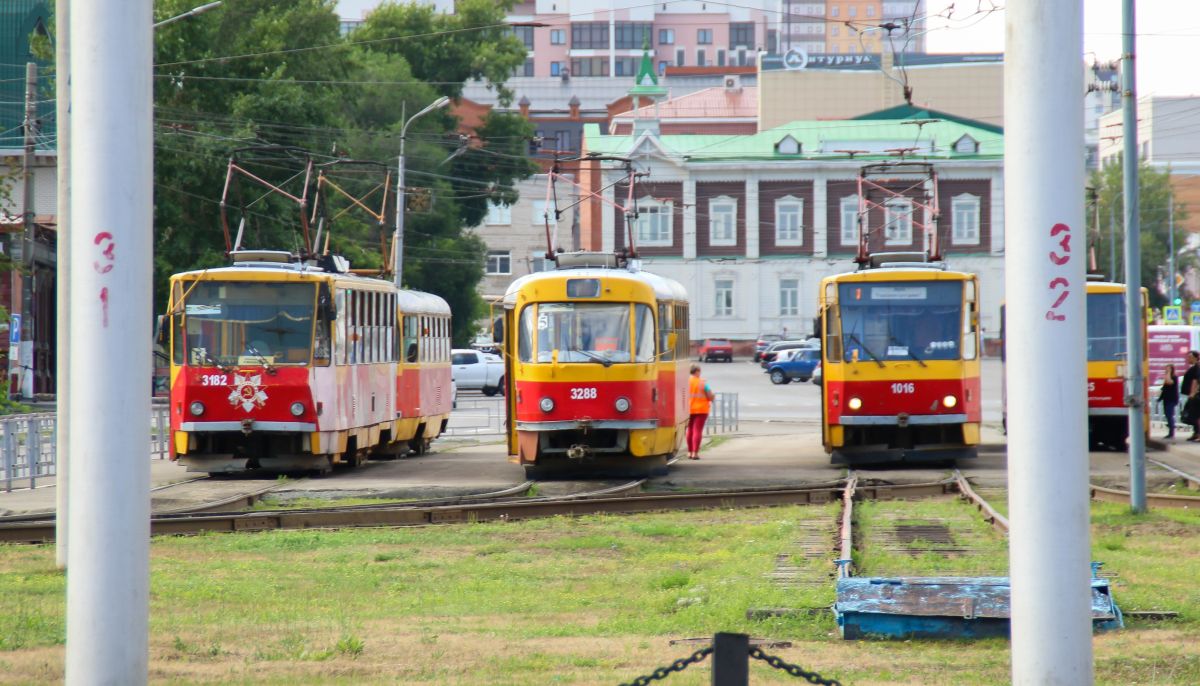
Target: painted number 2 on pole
[[1059, 285]]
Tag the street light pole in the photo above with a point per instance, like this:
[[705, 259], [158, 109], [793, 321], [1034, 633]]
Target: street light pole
[[401, 192], [190, 13]]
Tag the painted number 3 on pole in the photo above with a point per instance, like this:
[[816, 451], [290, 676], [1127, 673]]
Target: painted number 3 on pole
[[1059, 285], [106, 246]]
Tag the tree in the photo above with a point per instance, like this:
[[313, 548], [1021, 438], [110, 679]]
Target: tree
[[1154, 196]]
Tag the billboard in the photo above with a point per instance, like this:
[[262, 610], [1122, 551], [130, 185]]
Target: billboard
[[1169, 344]]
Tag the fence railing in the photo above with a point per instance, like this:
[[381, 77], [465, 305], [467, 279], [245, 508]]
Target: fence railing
[[29, 446]]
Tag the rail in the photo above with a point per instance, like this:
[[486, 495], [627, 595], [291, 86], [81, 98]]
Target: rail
[[29, 446]]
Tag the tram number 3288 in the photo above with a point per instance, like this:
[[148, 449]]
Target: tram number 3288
[[903, 388], [583, 394]]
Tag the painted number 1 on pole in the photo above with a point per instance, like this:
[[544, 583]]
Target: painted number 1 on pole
[[1059, 283]]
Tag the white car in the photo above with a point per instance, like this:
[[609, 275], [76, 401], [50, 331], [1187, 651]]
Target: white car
[[477, 371], [816, 377]]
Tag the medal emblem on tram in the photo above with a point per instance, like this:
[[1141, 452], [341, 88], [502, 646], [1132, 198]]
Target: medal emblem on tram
[[247, 392]]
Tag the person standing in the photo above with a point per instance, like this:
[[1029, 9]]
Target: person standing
[[699, 402], [1189, 387], [1168, 395]]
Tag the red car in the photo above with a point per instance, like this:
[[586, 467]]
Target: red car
[[716, 349]]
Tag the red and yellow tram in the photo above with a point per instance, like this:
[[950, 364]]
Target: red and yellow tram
[[1108, 416], [900, 362], [597, 367], [286, 365]]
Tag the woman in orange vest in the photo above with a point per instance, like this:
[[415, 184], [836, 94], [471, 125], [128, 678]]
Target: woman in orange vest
[[699, 401]]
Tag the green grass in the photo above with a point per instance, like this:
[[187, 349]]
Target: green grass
[[987, 554], [570, 601], [275, 503]]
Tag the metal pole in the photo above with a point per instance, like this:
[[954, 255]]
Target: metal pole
[[1134, 382], [402, 191], [62, 376], [1112, 241], [24, 366], [1171, 243], [111, 194], [1045, 279], [731, 660]]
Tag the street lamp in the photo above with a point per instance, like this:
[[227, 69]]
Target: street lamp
[[398, 236], [190, 13]]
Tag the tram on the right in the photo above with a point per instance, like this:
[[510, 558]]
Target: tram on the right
[[900, 359], [1108, 415]]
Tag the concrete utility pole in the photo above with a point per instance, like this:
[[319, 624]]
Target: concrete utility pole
[[1112, 242], [111, 183], [1045, 283], [62, 374], [402, 192], [22, 295], [1134, 381], [1174, 289]]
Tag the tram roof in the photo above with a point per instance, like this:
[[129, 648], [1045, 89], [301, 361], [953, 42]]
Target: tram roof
[[409, 301], [664, 288], [905, 273]]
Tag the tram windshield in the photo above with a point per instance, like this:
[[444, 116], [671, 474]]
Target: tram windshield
[[901, 320], [245, 322], [586, 332], [1105, 326]]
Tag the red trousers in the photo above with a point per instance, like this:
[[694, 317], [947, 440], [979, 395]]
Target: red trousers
[[695, 432]]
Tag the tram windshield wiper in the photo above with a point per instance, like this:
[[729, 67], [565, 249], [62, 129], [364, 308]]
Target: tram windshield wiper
[[873, 356], [254, 351], [908, 351], [596, 357]]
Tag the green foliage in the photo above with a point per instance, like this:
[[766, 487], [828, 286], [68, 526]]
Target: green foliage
[[293, 80], [1153, 197]]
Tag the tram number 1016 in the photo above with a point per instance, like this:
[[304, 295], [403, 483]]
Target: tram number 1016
[[904, 388]]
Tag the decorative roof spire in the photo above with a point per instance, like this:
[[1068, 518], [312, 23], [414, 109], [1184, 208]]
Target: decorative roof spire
[[646, 83]]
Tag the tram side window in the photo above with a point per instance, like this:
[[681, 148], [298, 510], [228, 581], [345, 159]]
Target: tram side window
[[682, 332], [339, 329], [970, 320], [321, 351], [525, 335], [666, 325], [410, 338], [643, 334]]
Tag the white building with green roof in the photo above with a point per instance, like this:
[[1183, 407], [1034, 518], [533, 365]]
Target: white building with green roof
[[750, 224]]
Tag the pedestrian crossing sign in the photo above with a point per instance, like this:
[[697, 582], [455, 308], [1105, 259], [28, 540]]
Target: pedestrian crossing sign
[[1172, 314]]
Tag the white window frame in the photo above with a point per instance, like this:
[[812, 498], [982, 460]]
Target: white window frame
[[651, 215], [789, 221], [538, 259], [560, 34], [725, 218], [538, 208], [724, 289], [897, 221], [789, 297], [848, 210], [498, 215], [502, 258], [964, 212]]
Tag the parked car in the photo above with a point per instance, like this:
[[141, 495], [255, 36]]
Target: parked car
[[477, 371], [816, 377], [763, 342], [797, 365], [484, 343], [768, 355], [716, 348]]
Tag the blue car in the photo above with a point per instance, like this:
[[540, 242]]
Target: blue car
[[798, 365]]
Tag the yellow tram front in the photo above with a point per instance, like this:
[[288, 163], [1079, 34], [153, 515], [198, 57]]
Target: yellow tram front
[[596, 368], [901, 364]]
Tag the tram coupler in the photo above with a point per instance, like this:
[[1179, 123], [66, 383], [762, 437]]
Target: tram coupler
[[579, 451]]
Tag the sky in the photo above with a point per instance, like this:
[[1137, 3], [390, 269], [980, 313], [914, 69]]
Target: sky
[[1168, 31]]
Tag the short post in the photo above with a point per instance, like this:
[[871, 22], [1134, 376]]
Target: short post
[[731, 660]]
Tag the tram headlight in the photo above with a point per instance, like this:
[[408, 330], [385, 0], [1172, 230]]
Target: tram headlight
[[196, 408], [297, 409], [546, 404], [950, 401], [854, 403], [622, 404]]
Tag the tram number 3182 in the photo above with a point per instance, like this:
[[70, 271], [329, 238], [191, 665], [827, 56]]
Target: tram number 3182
[[903, 388]]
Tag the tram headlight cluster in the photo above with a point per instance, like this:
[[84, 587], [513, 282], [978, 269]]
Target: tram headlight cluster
[[854, 403], [546, 404], [297, 409], [622, 404], [950, 401], [196, 408]]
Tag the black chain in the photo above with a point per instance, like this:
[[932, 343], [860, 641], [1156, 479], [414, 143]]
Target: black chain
[[794, 670], [676, 666]]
